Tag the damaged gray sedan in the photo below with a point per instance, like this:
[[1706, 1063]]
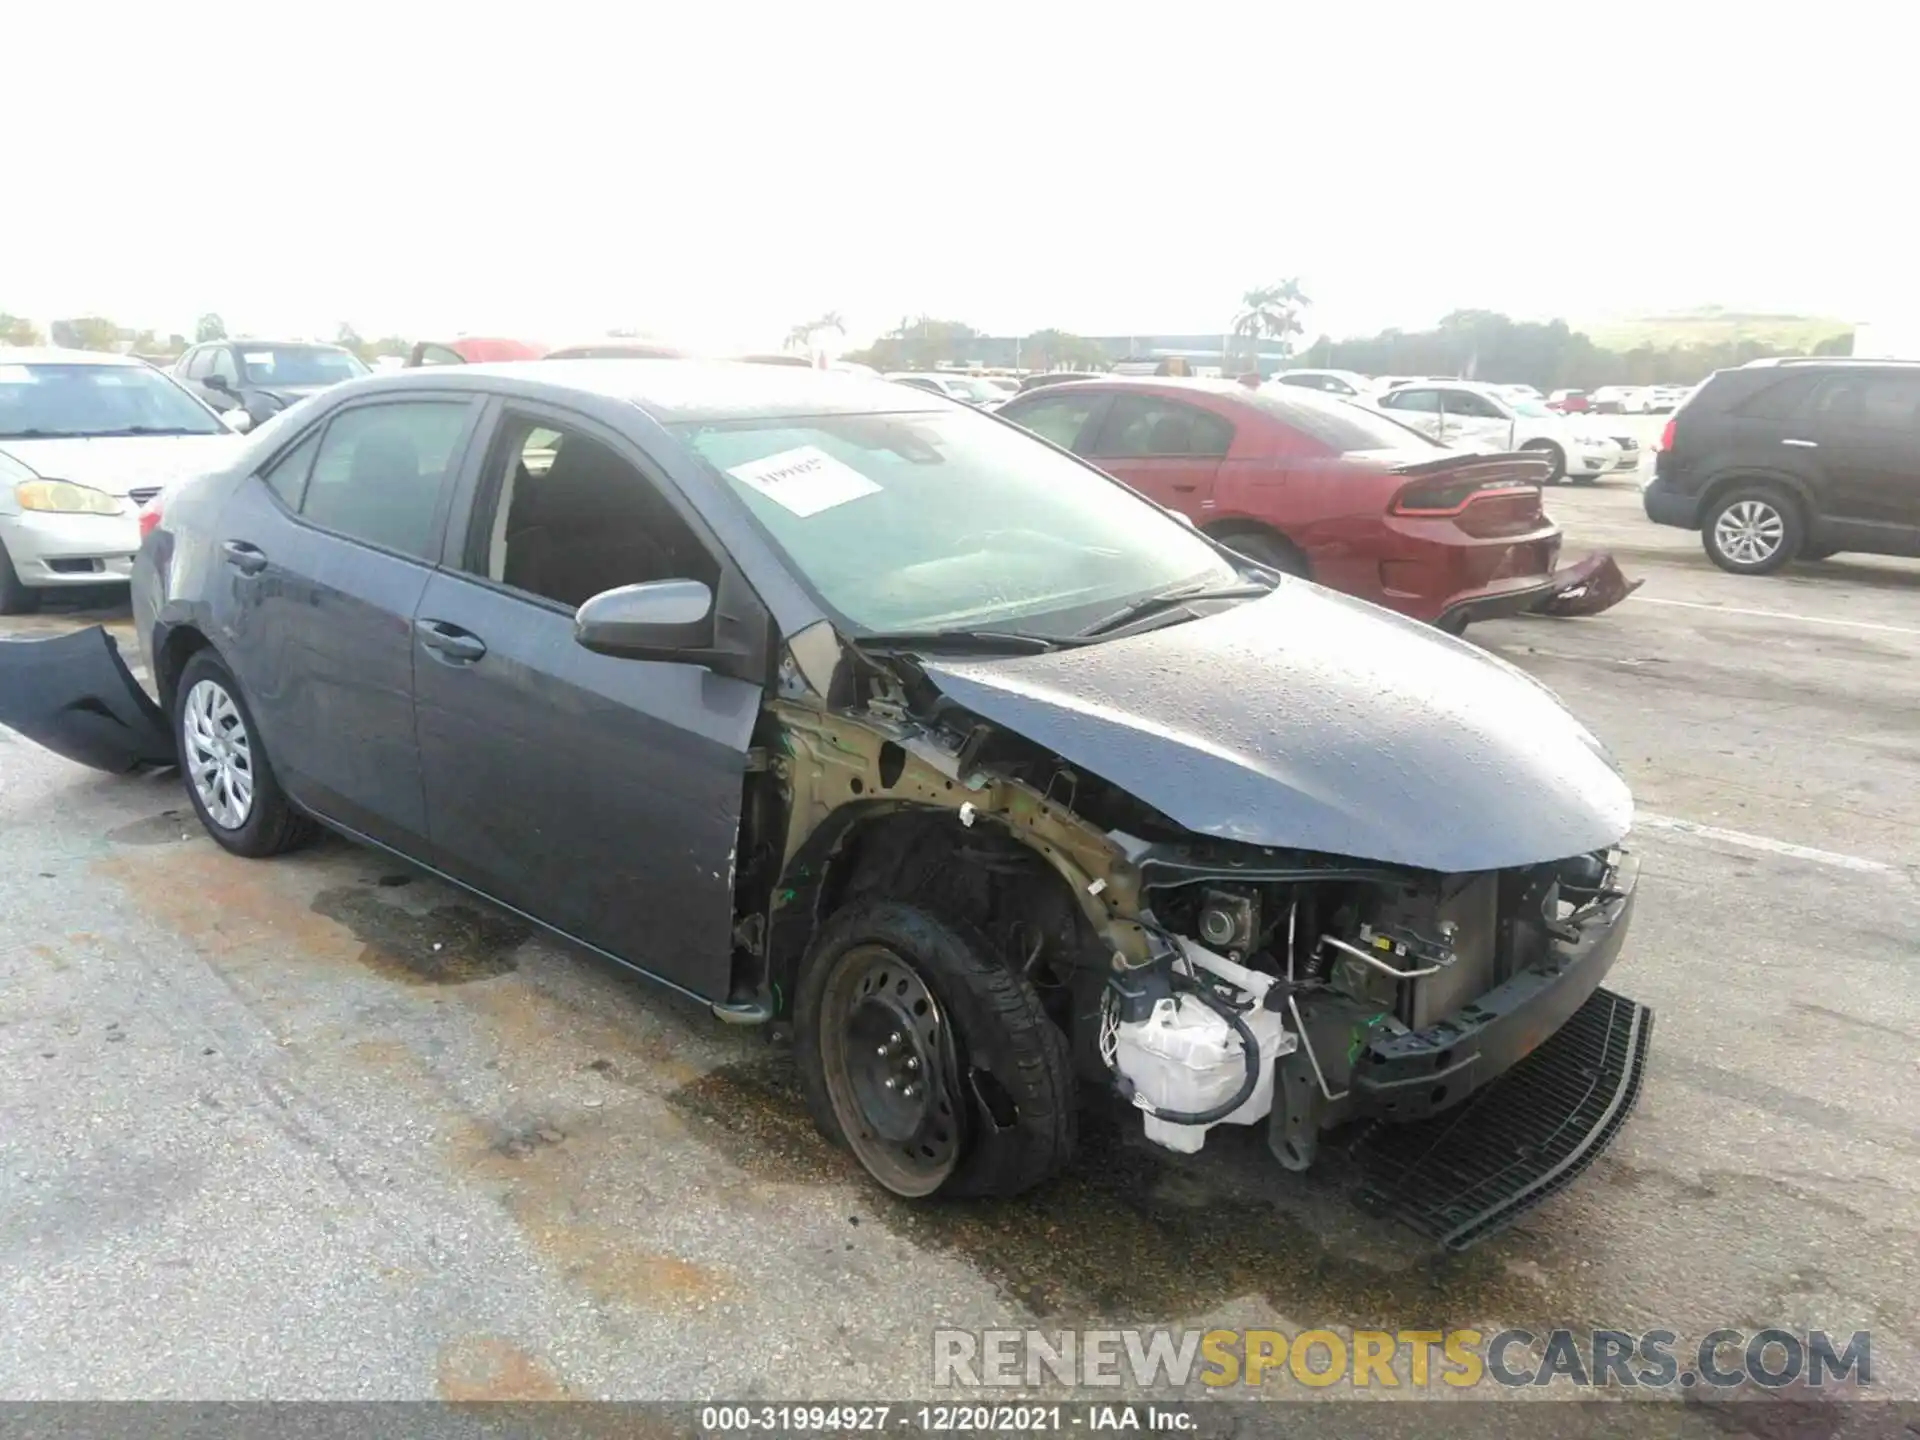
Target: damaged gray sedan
[[828, 703]]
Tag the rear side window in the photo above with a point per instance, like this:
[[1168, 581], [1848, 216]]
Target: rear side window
[[1876, 402], [380, 471], [440, 355], [1339, 425], [1785, 399], [1147, 426], [1059, 418]]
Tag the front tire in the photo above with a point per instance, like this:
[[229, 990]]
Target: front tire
[[922, 1051], [1752, 530], [1553, 455], [15, 598], [228, 776]]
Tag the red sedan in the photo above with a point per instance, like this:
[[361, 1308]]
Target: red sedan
[[1322, 488]]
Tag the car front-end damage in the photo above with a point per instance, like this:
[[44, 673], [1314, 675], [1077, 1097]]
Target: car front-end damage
[[1200, 968]]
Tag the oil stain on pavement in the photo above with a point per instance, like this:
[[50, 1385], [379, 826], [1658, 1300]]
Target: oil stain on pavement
[[447, 945]]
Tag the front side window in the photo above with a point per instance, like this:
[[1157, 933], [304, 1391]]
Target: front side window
[[96, 400], [1147, 426], [440, 355], [380, 470], [911, 522], [298, 364], [220, 364], [1470, 405], [571, 518], [1059, 418]]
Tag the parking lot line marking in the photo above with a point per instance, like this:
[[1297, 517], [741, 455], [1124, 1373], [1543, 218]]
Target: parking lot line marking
[[1776, 615], [1762, 843]]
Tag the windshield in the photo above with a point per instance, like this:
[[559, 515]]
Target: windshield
[[78, 400], [916, 522], [298, 365], [976, 389], [1342, 425]]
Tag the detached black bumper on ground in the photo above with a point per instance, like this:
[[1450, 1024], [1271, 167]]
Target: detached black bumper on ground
[[75, 695], [1471, 1172]]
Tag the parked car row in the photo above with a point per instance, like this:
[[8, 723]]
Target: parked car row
[[1460, 412]]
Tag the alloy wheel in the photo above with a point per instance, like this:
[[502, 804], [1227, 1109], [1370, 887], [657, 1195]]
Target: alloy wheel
[[219, 754], [1750, 532]]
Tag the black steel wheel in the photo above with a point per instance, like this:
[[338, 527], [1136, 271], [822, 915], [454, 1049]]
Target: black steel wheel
[[928, 1057]]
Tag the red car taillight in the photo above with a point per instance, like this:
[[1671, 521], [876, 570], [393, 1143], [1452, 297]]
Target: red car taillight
[[1449, 497], [1666, 432], [150, 514]]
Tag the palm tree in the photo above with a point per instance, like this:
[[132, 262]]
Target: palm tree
[[801, 337], [1269, 312]]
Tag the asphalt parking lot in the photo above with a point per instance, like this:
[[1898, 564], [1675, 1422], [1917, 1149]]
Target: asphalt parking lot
[[318, 1128]]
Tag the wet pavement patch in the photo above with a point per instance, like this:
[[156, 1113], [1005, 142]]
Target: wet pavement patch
[[169, 827], [447, 945], [1129, 1234]]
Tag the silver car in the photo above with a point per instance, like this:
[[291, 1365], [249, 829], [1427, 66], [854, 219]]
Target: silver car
[[85, 440]]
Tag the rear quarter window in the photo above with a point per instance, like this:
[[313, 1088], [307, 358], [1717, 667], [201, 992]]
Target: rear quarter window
[[1340, 426]]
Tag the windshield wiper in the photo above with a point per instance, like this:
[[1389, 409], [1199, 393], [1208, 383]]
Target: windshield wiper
[[1172, 600], [980, 642]]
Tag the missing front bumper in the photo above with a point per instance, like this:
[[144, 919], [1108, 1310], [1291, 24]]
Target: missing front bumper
[[1472, 1171], [75, 695]]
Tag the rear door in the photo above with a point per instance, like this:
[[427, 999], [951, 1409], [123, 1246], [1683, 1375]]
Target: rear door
[[601, 795], [326, 554], [1166, 449], [1866, 427]]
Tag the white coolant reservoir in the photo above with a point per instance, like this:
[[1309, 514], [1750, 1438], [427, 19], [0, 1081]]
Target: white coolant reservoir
[[1185, 1058]]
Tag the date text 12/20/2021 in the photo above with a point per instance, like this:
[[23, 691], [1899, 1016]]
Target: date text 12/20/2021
[[945, 1419]]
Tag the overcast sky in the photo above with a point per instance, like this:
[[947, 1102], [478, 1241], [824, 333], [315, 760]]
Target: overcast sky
[[718, 173]]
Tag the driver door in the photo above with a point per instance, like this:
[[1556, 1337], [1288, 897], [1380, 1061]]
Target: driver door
[[602, 796], [1166, 449]]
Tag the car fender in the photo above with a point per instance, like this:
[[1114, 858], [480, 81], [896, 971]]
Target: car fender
[[75, 695], [1736, 473]]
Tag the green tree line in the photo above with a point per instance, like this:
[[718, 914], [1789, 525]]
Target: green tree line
[[1485, 345]]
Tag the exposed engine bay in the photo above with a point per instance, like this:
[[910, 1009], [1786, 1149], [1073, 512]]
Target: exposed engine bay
[[1328, 980]]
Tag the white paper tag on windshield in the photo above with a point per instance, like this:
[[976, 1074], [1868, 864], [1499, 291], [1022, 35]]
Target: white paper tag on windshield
[[15, 375], [805, 480], [264, 357]]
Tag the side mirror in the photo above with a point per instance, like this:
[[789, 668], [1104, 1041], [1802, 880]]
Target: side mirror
[[236, 420], [1186, 520], [218, 382], [662, 620]]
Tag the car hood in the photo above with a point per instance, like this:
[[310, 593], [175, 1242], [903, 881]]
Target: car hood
[[119, 463], [1308, 720]]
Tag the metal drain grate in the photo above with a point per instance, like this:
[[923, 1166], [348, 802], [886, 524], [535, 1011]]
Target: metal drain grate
[[1472, 1171]]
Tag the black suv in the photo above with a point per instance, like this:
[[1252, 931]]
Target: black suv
[[1794, 459]]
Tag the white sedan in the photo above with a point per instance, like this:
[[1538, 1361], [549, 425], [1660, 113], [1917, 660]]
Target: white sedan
[[85, 440], [1468, 415]]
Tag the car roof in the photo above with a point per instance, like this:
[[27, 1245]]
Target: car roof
[[56, 355], [1166, 384], [684, 390]]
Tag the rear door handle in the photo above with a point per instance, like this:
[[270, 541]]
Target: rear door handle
[[450, 641], [1803, 444], [1186, 489], [247, 559]]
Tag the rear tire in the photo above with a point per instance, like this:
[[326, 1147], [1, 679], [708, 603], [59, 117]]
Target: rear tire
[[922, 1051], [1555, 457], [1752, 530], [15, 598], [1276, 552], [224, 764]]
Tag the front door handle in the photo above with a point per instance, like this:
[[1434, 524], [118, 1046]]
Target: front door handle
[[1803, 444], [1186, 489], [450, 641], [247, 559]]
